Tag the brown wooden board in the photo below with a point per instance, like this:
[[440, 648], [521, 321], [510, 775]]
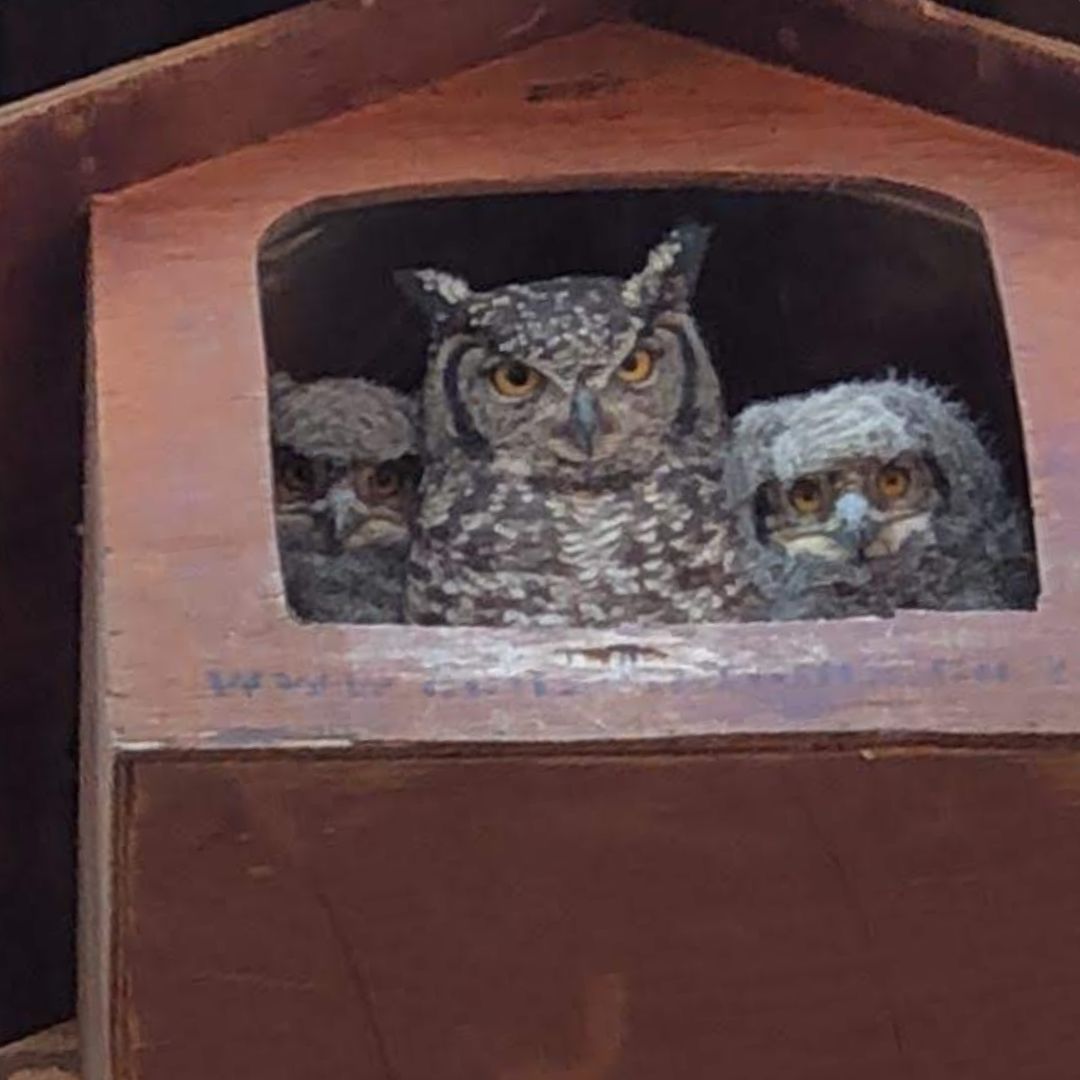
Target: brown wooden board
[[990, 73], [56, 150], [822, 915], [222, 888]]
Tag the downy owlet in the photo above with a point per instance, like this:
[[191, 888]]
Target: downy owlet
[[868, 497], [346, 472], [571, 432]]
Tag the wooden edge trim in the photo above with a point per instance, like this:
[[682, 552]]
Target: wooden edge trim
[[987, 73]]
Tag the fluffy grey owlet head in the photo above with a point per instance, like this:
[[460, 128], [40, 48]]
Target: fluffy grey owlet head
[[571, 375], [879, 492], [346, 472], [346, 465]]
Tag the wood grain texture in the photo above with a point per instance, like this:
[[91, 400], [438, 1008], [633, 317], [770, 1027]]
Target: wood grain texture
[[55, 150], [402, 852], [989, 73], [198, 647], [592, 917]]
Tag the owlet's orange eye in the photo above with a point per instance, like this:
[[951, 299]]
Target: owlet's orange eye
[[637, 367], [806, 496], [893, 481], [378, 482], [514, 379], [297, 477]]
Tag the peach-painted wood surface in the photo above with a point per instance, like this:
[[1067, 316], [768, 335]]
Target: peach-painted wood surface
[[198, 648], [401, 852]]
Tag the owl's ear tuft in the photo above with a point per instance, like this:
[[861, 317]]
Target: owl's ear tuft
[[440, 295], [670, 274]]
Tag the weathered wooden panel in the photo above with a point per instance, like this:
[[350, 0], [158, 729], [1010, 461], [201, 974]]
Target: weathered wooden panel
[[538, 854], [192, 534], [756, 915], [56, 150], [993, 74]]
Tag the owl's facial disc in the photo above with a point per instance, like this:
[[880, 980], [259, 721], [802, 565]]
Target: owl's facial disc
[[300, 483], [586, 435], [591, 431], [370, 504], [861, 509], [388, 489], [562, 377]]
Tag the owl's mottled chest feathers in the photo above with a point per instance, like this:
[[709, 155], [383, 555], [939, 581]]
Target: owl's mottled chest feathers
[[496, 548]]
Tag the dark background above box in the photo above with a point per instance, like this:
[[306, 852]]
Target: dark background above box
[[47, 42]]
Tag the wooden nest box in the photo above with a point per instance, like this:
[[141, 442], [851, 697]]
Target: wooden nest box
[[803, 849]]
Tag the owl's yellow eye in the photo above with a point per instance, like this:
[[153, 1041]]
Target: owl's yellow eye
[[637, 367], [806, 496], [894, 481], [515, 379]]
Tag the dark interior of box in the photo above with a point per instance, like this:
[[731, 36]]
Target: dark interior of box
[[805, 284]]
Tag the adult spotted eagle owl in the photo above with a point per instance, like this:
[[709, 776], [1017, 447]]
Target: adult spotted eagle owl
[[571, 432], [872, 496], [346, 473]]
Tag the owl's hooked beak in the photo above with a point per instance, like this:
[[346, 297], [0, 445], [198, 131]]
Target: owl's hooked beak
[[584, 420]]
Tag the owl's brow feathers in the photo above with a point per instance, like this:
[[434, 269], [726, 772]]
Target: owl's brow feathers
[[566, 321]]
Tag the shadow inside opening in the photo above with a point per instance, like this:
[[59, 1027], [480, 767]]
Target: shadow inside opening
[[803, 286]]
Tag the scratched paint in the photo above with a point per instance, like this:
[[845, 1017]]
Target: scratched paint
[[226, 683]]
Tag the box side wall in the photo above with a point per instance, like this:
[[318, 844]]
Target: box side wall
[[192, 512], [540, 917], [95, 862]]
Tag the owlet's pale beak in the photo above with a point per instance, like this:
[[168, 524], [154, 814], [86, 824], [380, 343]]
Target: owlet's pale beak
[[855, 527], [343, 508]]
